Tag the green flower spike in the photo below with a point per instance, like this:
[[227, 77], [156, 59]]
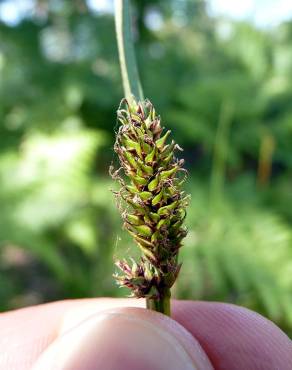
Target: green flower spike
[[153, 206]]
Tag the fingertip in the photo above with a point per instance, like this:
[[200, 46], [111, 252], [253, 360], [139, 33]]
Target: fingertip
[[125, 338], [235, 337], [27, 332]]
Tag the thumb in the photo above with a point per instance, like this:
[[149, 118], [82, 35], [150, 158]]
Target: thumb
[[125, 338]]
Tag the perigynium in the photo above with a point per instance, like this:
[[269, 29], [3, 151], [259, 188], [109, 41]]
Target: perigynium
[[151, 200]]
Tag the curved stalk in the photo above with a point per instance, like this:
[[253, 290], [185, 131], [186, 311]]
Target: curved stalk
[[130, 75]]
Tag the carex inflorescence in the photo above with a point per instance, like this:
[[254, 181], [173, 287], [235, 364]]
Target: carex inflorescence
[[152, 203]]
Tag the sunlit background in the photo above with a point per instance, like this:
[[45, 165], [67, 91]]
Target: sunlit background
[[220, 74]]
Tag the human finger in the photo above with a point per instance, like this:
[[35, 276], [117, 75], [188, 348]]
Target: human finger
[[25, 333], [235, 338], [125, 338]]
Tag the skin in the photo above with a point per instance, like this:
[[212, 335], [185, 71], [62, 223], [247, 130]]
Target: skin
[[117, 334]]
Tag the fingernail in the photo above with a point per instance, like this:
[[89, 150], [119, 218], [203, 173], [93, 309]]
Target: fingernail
[[117, 341]]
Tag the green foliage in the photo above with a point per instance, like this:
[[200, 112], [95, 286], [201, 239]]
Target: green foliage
[[43, 188], [238, 253]]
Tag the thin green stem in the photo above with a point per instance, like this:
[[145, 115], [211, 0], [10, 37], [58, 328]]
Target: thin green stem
[[160, 304], [130, 75]]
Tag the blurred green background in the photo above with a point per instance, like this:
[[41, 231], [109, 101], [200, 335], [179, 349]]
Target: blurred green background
[[223, 86]]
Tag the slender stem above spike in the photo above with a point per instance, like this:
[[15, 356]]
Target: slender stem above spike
[[130, 75]]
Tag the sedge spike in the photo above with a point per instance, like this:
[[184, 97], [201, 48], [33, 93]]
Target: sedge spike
[[151, 200]]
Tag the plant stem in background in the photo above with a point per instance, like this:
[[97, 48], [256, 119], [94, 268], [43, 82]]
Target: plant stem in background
[[267, 148], [130, 75], [220, 154]]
